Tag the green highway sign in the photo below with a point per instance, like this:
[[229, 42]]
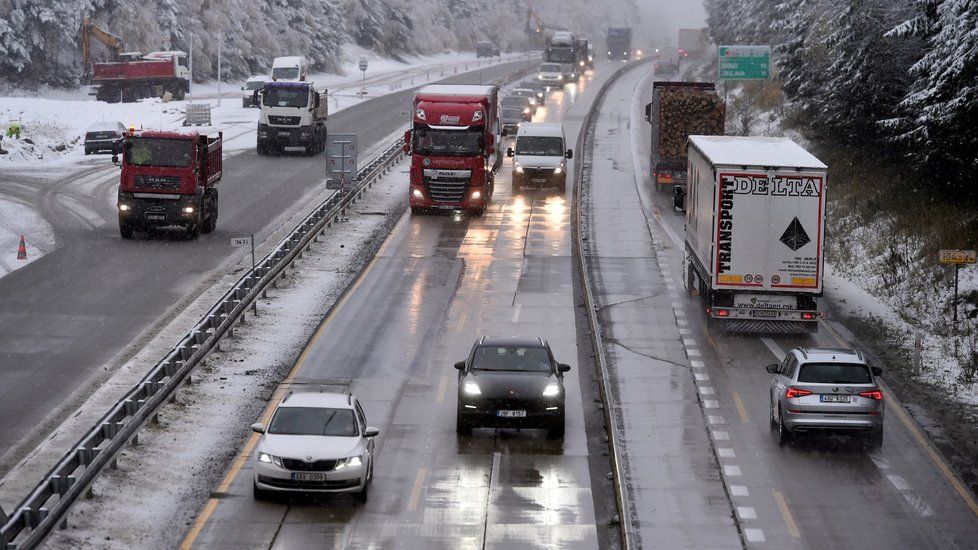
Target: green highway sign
[[744, 62]]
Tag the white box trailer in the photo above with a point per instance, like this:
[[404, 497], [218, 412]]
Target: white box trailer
[[755, 231]]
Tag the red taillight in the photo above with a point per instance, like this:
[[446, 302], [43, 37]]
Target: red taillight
[[722, 312], [874, 394], [796, 392], [807, 315]]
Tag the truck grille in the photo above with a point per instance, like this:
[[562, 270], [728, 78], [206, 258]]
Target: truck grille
[[283, 120], [446, 190], [169, 183], [317, 466], [537, 173]]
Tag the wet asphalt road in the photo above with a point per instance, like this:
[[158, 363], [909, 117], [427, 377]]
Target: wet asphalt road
[[696, 401], [70, 312], [438, 283]]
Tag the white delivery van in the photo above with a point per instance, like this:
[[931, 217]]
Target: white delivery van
[[251, 86], [540, 156], [290, 68]]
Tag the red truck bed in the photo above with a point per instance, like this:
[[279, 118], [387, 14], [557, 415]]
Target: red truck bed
[[133, 70]]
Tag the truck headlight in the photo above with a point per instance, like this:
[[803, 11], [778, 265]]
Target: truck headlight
[[416, 193], [188, 209], [476, 195], [551, 390], [124, 208], [471, 388]]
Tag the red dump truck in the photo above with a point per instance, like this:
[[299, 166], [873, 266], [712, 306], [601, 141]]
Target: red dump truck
[[136, 76], [169, 179], [679, 110], [452, 140]]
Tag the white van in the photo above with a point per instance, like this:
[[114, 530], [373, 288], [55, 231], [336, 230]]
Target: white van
[[551, 75], [252, 85], [540, 156], [291, 68]]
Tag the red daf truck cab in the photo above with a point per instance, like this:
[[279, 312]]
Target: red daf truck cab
[[452, 143], [169, 179]]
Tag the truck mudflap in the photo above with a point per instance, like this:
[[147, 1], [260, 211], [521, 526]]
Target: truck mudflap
[[772, 321], [755, 326]]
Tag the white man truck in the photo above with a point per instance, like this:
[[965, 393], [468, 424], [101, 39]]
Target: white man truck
[[293, 114], [755, 229]]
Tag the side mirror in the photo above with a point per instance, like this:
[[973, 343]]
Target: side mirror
[[510, 152], [877, 371], [258, 428], [317, 101], [679, 198], [370, 431], [242, 88], [569, 154], [563, 368], [504, 133], [648, 112], [491, 140], [115, 159], [406, 148], [772, 368], [254, 97], [407, 137], [460, 365]]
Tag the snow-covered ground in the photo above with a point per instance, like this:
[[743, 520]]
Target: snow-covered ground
[[54, 123], [17, 219]]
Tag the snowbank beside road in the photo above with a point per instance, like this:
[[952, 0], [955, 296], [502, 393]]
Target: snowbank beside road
[[15, 220]]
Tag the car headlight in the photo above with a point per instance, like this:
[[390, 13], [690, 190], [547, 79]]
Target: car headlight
[[266, 458], [348, 462], [471, 388], [559, 169], [551, 390], [518, 169]]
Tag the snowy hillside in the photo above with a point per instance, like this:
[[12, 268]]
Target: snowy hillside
[[39, 41]]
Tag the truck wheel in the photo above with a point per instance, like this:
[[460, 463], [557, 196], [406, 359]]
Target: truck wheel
[[417, 211], [126, 231], [210, 223], [479, 211], [262, 149]]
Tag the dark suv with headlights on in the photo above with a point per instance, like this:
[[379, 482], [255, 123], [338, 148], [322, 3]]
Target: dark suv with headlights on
[[511, 383]]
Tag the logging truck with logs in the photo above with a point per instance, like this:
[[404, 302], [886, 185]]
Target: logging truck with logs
[[679, 110]]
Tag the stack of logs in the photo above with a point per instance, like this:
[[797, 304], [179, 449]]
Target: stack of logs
[[684, 112]]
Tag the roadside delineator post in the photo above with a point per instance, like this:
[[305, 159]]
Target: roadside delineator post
[[22, 249]]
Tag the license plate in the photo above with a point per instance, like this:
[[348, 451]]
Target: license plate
[[446, 207], [765, 314], [155, 217], [511, 414], [539, 180], [284, 134], [308, 477], [831, 398]]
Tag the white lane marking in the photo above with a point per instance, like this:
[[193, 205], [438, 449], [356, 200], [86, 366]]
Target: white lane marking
[[746, 512], [706, 390], [916, 501], [696, 364], [693, 352], [516, 314], [699, 376], [690, 343], [711, 404], [720, 435], [685, 332], [731, 470], [739, 491], [679, 313], [775, 348], [682, 322], [724, 452], [754, 535], [715, 419]]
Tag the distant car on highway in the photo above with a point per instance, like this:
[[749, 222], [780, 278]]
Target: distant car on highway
[[666, 66], [551, 75], [252, 85], [530, 94], [826, 390], [103, 137], [511, 383], [485, 48], [315, 443], [536, 86]]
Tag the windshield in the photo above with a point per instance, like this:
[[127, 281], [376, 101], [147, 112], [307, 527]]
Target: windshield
[[464, 143], [159, 152], [285, 97], [254, 85], [515, 101], [835, 373], [511, 358], [540, 146], [313, 421], [550, 68], [562, 55], [285, 73], [510, 114]]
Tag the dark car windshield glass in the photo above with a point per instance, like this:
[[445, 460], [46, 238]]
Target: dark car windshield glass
[[447, 142], [285, 73], [561, 55], [550, 68], [834, 373], [511, 358], [511, 114], [540, 146], [516, 101], [254, 85], [160, 152], [313, 421], [286, 97]]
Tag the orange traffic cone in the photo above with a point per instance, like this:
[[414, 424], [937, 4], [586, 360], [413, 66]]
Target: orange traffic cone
[[22, 249]]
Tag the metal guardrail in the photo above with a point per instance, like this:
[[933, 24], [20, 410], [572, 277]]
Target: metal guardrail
[[49, 502], [585, 143]]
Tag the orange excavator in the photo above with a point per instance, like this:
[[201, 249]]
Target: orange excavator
[[90, 30], [536, 31]]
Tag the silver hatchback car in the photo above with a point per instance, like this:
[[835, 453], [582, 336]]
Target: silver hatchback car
[[826, 390]]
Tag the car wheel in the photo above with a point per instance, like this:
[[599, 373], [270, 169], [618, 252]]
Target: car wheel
[[362, 495], [783, 434], [193, 231], [259, 493], [770, 414], [875, 439], [462, 426], [556, 430]]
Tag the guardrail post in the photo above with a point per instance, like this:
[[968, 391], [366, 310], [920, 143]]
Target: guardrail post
[[30, 517], [3, 515]]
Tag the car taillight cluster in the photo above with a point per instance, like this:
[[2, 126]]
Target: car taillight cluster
[[874, 394], [796, 392]]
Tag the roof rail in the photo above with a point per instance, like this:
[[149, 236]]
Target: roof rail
[[287, 396], [804, 352]]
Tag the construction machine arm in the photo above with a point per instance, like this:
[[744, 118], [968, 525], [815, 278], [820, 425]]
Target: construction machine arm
[[91, 30]]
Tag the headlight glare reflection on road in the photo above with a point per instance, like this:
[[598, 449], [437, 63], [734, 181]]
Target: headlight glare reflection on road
[[471, 388]]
